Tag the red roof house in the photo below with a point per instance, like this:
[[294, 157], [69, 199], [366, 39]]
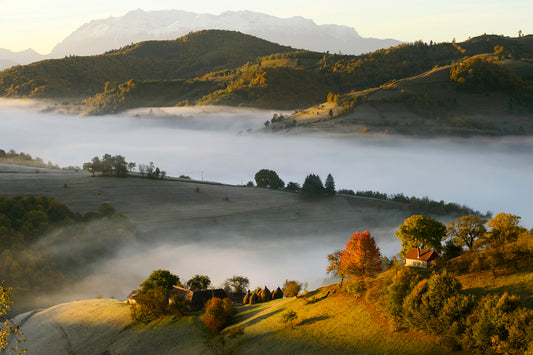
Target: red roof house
[[420, 257]]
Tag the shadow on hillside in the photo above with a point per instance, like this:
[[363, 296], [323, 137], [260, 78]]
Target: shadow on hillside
[[260, 318], [312, 320], [246, 312]]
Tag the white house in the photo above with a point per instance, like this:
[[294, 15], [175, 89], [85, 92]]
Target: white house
[[420, 257]]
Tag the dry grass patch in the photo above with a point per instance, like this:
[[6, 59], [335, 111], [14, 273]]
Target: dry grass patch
[[338, 323]]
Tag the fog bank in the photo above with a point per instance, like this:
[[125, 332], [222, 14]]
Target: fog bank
[[213, 143], [222, 144]]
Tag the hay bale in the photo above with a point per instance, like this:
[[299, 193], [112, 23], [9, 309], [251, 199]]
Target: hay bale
[[265, 295], [246, 298], [277, 294], [254, 298]]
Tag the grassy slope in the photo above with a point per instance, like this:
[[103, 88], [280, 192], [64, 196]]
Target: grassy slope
[[384, 110], [499, 279], [174, 205], [97, 326], [337, 324]]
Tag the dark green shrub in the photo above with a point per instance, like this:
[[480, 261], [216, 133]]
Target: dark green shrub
[[403, 281]]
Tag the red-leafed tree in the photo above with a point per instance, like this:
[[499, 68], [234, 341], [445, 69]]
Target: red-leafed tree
[[361, 256]]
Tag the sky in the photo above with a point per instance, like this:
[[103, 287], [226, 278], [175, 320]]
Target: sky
[[41, 25]]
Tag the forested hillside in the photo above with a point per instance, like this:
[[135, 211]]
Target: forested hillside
[[231, 68], [299, 79], [186, 57]]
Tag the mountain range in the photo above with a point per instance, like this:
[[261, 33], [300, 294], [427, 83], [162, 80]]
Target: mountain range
[[102, 35]]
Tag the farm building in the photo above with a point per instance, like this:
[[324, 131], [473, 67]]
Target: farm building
[[195, 299], [420, 257]]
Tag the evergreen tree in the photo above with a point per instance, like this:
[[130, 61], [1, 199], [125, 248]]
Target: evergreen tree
[[330, 185], [312, 187]]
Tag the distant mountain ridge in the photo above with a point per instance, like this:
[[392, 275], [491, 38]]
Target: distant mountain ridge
[[99, 36], [9, 58]]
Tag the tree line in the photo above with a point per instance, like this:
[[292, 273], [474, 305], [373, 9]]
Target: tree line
[[24, 159], [312, 187], [116, 165]]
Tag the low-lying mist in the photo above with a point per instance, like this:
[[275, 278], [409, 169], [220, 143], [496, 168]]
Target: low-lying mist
[[213, 143], [265, 263], [221, 144]]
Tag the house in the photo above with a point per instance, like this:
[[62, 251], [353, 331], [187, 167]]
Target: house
[[236, 297], [196, 299], [420, 257]]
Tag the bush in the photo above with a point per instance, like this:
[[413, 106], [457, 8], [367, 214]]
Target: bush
[[355, 287], [291, 288], [289, 317], [152, 300], [217, 314], [150, 304], [400, 287], [490, 321]]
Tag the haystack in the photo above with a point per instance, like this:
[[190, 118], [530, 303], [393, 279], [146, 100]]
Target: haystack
[[254, 298], [246, 298], [277, 294], [265, 295]]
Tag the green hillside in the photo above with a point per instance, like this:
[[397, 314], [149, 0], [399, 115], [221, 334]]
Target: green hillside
[[480, 86], [295, 80], [486, 94], [186, 57]]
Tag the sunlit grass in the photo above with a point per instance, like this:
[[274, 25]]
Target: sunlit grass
[[337, 324]]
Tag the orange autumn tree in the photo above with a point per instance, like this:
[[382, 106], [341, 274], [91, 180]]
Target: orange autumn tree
[[361, 256]]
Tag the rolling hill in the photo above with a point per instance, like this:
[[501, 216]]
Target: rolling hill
[[429, 104], [187, 57], [336, 325], [410, 82], [328, 320]]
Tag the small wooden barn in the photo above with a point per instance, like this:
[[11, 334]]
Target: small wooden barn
[[420, 257], [197, 299]]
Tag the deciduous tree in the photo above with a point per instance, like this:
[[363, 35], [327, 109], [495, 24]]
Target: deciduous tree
[[291, 288], [236, 283], [161, 278], [466, 230], [420, 232], [334, 266], [361, 256], [199, 282], [9, 330], [268, 179], [504, 228]]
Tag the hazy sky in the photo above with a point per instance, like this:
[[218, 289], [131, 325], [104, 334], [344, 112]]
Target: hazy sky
[[41, 25]]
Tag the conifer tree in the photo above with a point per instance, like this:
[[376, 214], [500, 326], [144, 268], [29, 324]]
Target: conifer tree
[[330, 185]]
